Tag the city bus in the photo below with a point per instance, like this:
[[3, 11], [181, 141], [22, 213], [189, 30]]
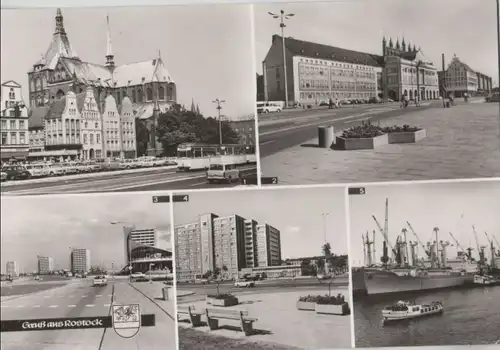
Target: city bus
[[197, 156]]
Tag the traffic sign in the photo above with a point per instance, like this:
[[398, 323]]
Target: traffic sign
[[126, 319]]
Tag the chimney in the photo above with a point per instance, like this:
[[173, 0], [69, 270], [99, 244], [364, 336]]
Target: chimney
[[442, 61]]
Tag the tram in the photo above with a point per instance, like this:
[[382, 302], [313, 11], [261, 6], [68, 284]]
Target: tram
[[197, 156]]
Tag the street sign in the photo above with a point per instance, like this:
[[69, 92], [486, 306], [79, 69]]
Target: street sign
[[126, 320]]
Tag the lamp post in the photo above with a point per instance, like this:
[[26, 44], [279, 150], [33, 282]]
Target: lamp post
[[129, 258], [324, 216], [150, 272], [282, 18], [219, 107]]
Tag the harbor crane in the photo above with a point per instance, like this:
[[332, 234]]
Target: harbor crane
[[467, 253], [480, 249], [418, 239], [492, 250], [386, 241], [498, 245], [367, 248]]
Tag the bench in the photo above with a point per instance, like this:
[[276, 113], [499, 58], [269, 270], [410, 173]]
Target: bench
[[194, 317], [214, 315]]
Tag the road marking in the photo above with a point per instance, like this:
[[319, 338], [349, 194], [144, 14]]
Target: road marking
[[71, 305], [266, 142], [53, 306], [198, 184], [110, 295], [20, 306], [107, 305], [36, 305], [46, 296], [99, 295], [90, 305]]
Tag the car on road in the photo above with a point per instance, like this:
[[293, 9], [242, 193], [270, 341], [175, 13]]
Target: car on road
[[495, 97], [269, 107], [100, 281], [3, 176], [17, 172], [138, 277], [244, 284], [222, 173]]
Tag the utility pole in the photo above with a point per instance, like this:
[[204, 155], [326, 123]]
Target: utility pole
[[219, 107], [282, 18]]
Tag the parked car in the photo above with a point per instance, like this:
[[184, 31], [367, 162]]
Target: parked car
[[100, 281], [375, 99], [495, 97], [244, 283], [38, 170], [3, 176], [56, 169], [17, 172]]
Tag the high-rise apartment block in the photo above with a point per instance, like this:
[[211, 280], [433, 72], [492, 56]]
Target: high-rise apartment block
[[12, 269], [45, 264], [80, 260], [231, 242]]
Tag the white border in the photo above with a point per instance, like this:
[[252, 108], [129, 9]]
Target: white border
[[349, 263], [174, 268]]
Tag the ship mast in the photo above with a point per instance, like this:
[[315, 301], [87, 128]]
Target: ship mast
[[467, 253], [418, 239], [374, 257], [492, 250], [436, 231], [480, 249]]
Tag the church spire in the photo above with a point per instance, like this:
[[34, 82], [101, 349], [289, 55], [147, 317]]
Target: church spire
[[59, 23], [403, 45], [193, 108], [390, 43], [110, 62]]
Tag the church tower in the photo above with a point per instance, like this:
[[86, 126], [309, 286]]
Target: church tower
[[110, 58]]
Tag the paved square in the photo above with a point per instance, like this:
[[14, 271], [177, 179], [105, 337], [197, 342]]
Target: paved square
[[462, 142]]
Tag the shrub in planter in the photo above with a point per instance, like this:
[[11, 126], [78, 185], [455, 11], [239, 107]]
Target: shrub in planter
[[362, 132], [307, 302], [332, 305], [399, 128], [224, 300], [221, 296]]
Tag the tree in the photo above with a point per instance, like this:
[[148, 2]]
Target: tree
[[220, 274], [142, 136]]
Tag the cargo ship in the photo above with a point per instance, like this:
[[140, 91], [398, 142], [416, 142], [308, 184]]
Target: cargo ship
[[374, 281]]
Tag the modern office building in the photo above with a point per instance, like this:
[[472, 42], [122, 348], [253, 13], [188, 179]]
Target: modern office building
[[144, 250], [230, 242], [14, 122], [45, 265], [317, 72], [268, 246], [80, 260], [12, 269]]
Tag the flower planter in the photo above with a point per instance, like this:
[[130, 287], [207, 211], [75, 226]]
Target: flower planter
[[329, 309], [225, 302], [368, 143], [407, 137], [209, 300], [306, 305]]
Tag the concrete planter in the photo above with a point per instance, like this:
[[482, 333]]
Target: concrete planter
[[225, 302], [209, 300], [306, 305], [332, 309], [407, 137], [369, 143]]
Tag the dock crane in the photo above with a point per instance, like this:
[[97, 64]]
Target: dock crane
[[498, 245], [419, 241], [492, 250], [467, 253], [480, 249], [385, 258]]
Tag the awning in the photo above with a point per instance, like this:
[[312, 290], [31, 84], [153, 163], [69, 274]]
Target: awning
[[57, 153], [13, 154]]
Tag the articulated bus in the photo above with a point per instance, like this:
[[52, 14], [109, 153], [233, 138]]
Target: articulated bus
[[197, 156]]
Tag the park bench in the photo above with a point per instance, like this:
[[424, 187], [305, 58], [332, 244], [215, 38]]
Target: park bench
[[194, 317], [214, 315]]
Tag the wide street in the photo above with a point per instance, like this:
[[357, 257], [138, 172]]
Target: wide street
[[266, 286], [155, 179], [79, 299], [279, 131]]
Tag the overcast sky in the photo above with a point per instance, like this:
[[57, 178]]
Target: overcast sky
[[49, 225], [206, 49], [296, 212], [452, 207], [462, 27]]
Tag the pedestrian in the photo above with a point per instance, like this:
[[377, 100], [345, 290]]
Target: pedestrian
[[330, 103]]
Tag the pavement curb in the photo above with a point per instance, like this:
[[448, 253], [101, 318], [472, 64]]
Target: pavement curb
[[152, 300], [179, 295]]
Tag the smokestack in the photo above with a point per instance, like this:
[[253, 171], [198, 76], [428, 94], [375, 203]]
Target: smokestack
[[442, 61]]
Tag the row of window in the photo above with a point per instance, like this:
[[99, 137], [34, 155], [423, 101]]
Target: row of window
[[14, 139], [325, 96], [14, 125], [336, 64], [337, 84], [306, 70]]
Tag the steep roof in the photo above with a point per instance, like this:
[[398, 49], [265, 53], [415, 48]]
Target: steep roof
[[326, 52], [58, 47], [132, 74], [56, 108], [11, 83], [88, 73], [145, 110]]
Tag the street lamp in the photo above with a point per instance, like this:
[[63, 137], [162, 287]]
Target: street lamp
[[219, 107], [128, 246], [150, 272], [282, 18]]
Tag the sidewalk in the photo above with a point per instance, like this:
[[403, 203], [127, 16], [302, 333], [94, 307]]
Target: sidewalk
[[153, 291], [462, 142], [280, 322]]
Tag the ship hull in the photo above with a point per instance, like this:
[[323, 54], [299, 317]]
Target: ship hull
[[384, 282]]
